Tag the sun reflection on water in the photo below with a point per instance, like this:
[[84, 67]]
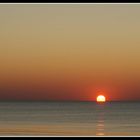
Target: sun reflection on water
[[100, 126]]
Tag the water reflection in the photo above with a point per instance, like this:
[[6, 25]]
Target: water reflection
[[100, 127]]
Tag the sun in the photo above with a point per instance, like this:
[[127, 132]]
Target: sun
[[101, 98]]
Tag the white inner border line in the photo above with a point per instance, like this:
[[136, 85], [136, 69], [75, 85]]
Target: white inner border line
[[72, 3]]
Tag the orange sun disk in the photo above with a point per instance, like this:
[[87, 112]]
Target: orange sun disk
[[101, 98]]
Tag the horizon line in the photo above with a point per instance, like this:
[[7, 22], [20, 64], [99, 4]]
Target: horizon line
[[67, 101]]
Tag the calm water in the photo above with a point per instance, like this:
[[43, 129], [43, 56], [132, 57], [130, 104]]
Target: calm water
[[70, 118]]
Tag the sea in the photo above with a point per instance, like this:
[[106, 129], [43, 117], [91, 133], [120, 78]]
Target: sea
[[53, 118]]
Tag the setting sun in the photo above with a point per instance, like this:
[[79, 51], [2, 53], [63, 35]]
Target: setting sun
[[100, 98]]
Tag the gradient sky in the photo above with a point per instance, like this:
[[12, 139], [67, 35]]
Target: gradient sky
[[69, 52]]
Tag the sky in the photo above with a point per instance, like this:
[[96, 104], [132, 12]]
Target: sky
[[69, 51]]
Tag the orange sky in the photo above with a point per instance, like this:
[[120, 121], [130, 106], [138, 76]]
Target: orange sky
[[69, 52]]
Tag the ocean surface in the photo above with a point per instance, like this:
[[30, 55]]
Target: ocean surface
[[69, 119]]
